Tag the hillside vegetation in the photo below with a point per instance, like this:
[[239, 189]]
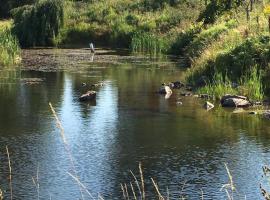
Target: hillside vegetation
[[226, 43]]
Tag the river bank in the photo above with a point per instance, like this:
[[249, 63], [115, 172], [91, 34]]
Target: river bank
[[127, 120]]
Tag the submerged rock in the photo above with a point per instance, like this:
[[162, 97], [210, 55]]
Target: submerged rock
[[234, 101], [176, 85], [208, 106], [90, 95]]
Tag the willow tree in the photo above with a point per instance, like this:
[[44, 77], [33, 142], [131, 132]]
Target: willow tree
[[38, 24]]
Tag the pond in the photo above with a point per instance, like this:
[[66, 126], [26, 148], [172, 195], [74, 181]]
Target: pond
[[182, 147]]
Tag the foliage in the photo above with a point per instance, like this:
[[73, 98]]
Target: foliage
[[206, 37], [9, 48], [216, 8], [38, 24], [184, 39], [149, 43], [7, 5], [250, 85]]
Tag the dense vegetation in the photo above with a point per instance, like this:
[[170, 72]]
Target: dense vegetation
[[38, 24], [224, 40], [9, 47]]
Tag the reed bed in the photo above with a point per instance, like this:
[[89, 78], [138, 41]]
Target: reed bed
[[148, 43], [9, 48]]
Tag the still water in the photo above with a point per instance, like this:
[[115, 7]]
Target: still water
[[183, 147]]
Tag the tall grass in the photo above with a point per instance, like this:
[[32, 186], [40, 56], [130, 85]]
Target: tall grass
[[148, 43], [250, 84], [9, 48], [219, 86]]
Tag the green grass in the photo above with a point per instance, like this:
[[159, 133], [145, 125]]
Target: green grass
[[250, 85], [149, 43], [9, 48]]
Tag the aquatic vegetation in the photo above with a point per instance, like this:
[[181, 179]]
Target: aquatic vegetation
[[149, 43], [9, 48], [250, 85], [38, 24]]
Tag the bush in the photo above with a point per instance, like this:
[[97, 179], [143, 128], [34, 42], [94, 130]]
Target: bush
[[9, 48], [39, 24]]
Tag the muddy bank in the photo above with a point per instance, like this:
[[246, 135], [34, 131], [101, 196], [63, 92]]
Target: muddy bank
[[64, 59]]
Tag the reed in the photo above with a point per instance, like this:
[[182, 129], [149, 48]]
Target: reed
[[148, 43], [9, 48]]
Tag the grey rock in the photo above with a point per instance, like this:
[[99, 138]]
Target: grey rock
[[234, 101], [208, 106]]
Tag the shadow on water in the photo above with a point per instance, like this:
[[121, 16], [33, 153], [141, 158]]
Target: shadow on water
[[128, 123]]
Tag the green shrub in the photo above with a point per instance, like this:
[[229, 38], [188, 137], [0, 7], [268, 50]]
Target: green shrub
[[184, 39], [38, 24], [205, 38]]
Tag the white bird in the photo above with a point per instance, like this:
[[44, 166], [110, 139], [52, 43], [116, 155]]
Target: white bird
[[91, 45]]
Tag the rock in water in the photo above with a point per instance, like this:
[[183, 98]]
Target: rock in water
[[266, 114], [90, 95], [234, 101], [176, 85], [208, 105], [165, 90]]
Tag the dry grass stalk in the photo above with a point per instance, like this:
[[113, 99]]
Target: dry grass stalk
[[81, 184], [229, 186], [160, 197], [127, 191], [1, 195], [142, 181], [10, 174], [36, 181], [133, 192], [66, 145], [123, 191], [137, 183]]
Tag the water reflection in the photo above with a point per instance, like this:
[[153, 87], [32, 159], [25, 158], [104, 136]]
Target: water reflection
[[128, 123]]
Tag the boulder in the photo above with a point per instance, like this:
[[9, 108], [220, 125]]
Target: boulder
[[90, 95], [234, 101], [208, 106]]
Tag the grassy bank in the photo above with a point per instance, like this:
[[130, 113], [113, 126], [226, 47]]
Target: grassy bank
[[9, 47], [224, 41]]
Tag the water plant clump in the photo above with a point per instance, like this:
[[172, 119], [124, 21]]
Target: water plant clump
[[250, 84], [38, 24], [149, 43], [9, 48]]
